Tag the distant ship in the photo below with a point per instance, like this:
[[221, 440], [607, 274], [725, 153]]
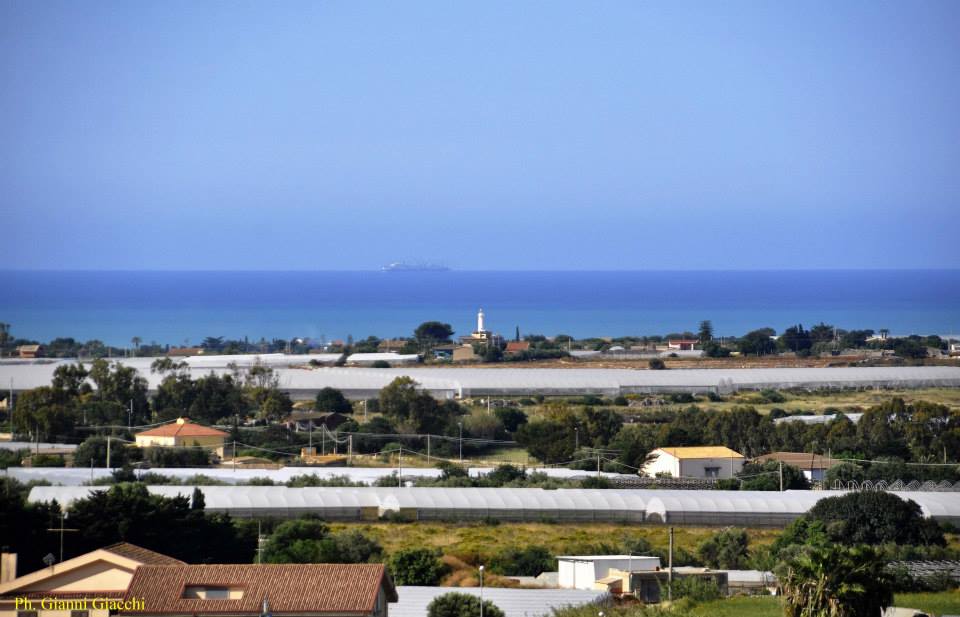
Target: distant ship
[[401, 266]]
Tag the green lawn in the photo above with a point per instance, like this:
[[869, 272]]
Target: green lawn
[[947, 602], [761, 606]]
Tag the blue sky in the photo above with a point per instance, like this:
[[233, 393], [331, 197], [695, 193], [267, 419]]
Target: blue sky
[[530, 135]]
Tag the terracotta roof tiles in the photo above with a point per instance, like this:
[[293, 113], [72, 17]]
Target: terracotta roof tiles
[[184, 429], [143, 555], [290, 588]]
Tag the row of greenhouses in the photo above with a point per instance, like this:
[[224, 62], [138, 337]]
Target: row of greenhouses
[[695, 507]]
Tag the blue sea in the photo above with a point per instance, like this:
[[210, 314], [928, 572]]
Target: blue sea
[[184, 307]]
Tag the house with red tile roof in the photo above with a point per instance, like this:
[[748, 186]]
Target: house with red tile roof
[[103, 574], [518, 346], [183, 433], [251, 590]]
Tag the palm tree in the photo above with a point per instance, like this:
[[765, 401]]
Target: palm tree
[[136, 342], [835, 581]]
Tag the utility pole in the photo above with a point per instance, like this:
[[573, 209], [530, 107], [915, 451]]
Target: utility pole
[[400, 468], [460, 424], [234, 454], [670, 569], [350, 449], [130, 417], [781, 476], [259, 543], [63, 518], [481, 591], [428, 447], [598, 465], [108, 453]]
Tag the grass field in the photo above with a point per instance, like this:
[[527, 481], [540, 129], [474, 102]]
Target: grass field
[[474, 543], [765, 606], [818, 402], [943, 603]]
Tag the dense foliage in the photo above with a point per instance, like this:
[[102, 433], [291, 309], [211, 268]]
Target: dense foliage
[[416, 566], [461, 605], [835, 581]]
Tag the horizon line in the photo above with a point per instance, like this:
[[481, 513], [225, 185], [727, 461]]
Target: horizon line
[[472, 270]]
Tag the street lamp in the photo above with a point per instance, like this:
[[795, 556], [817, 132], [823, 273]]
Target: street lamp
[[460, 425], [481, 591]]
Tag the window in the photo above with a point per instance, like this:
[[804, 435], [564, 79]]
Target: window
[[212, 592], [79, 613], [26, 613], [712, 472]]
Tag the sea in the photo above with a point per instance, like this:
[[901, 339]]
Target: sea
[[181, 308]]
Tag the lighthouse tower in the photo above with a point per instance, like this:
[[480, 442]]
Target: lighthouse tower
[[480, 334]]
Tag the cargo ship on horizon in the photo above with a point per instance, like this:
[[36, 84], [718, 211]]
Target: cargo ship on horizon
[[402, 266]]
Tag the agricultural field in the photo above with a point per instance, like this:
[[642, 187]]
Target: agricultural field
[[474, 543]]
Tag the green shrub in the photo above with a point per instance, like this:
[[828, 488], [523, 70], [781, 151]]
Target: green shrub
[[694, 587], [461, 605], [416, 566], [527, 561]]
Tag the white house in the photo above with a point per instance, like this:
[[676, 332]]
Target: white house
[[583, 571], [717, 462]]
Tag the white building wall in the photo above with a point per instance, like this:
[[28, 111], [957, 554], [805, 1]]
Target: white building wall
[[721, 468], [576, 574], [583, 573], [664, 464]]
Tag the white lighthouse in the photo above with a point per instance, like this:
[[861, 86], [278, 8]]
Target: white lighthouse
[[480, 334]]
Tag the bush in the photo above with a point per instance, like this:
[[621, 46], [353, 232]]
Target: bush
[[380, 364], [416, 566], [656, 364], [727, 549], [527, 561], [771, 396], [47, 460], [158, 456], [875, 517], [511, 418], [332, 400], [696, 588], [11, 458], [461, 605]]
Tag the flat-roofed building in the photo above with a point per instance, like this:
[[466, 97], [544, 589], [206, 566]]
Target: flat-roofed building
[[714, 462], [586, 571]]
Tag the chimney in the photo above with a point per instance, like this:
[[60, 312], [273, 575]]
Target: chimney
[[8, 567]]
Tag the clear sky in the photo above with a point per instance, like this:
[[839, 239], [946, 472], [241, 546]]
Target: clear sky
[[493, 135]]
